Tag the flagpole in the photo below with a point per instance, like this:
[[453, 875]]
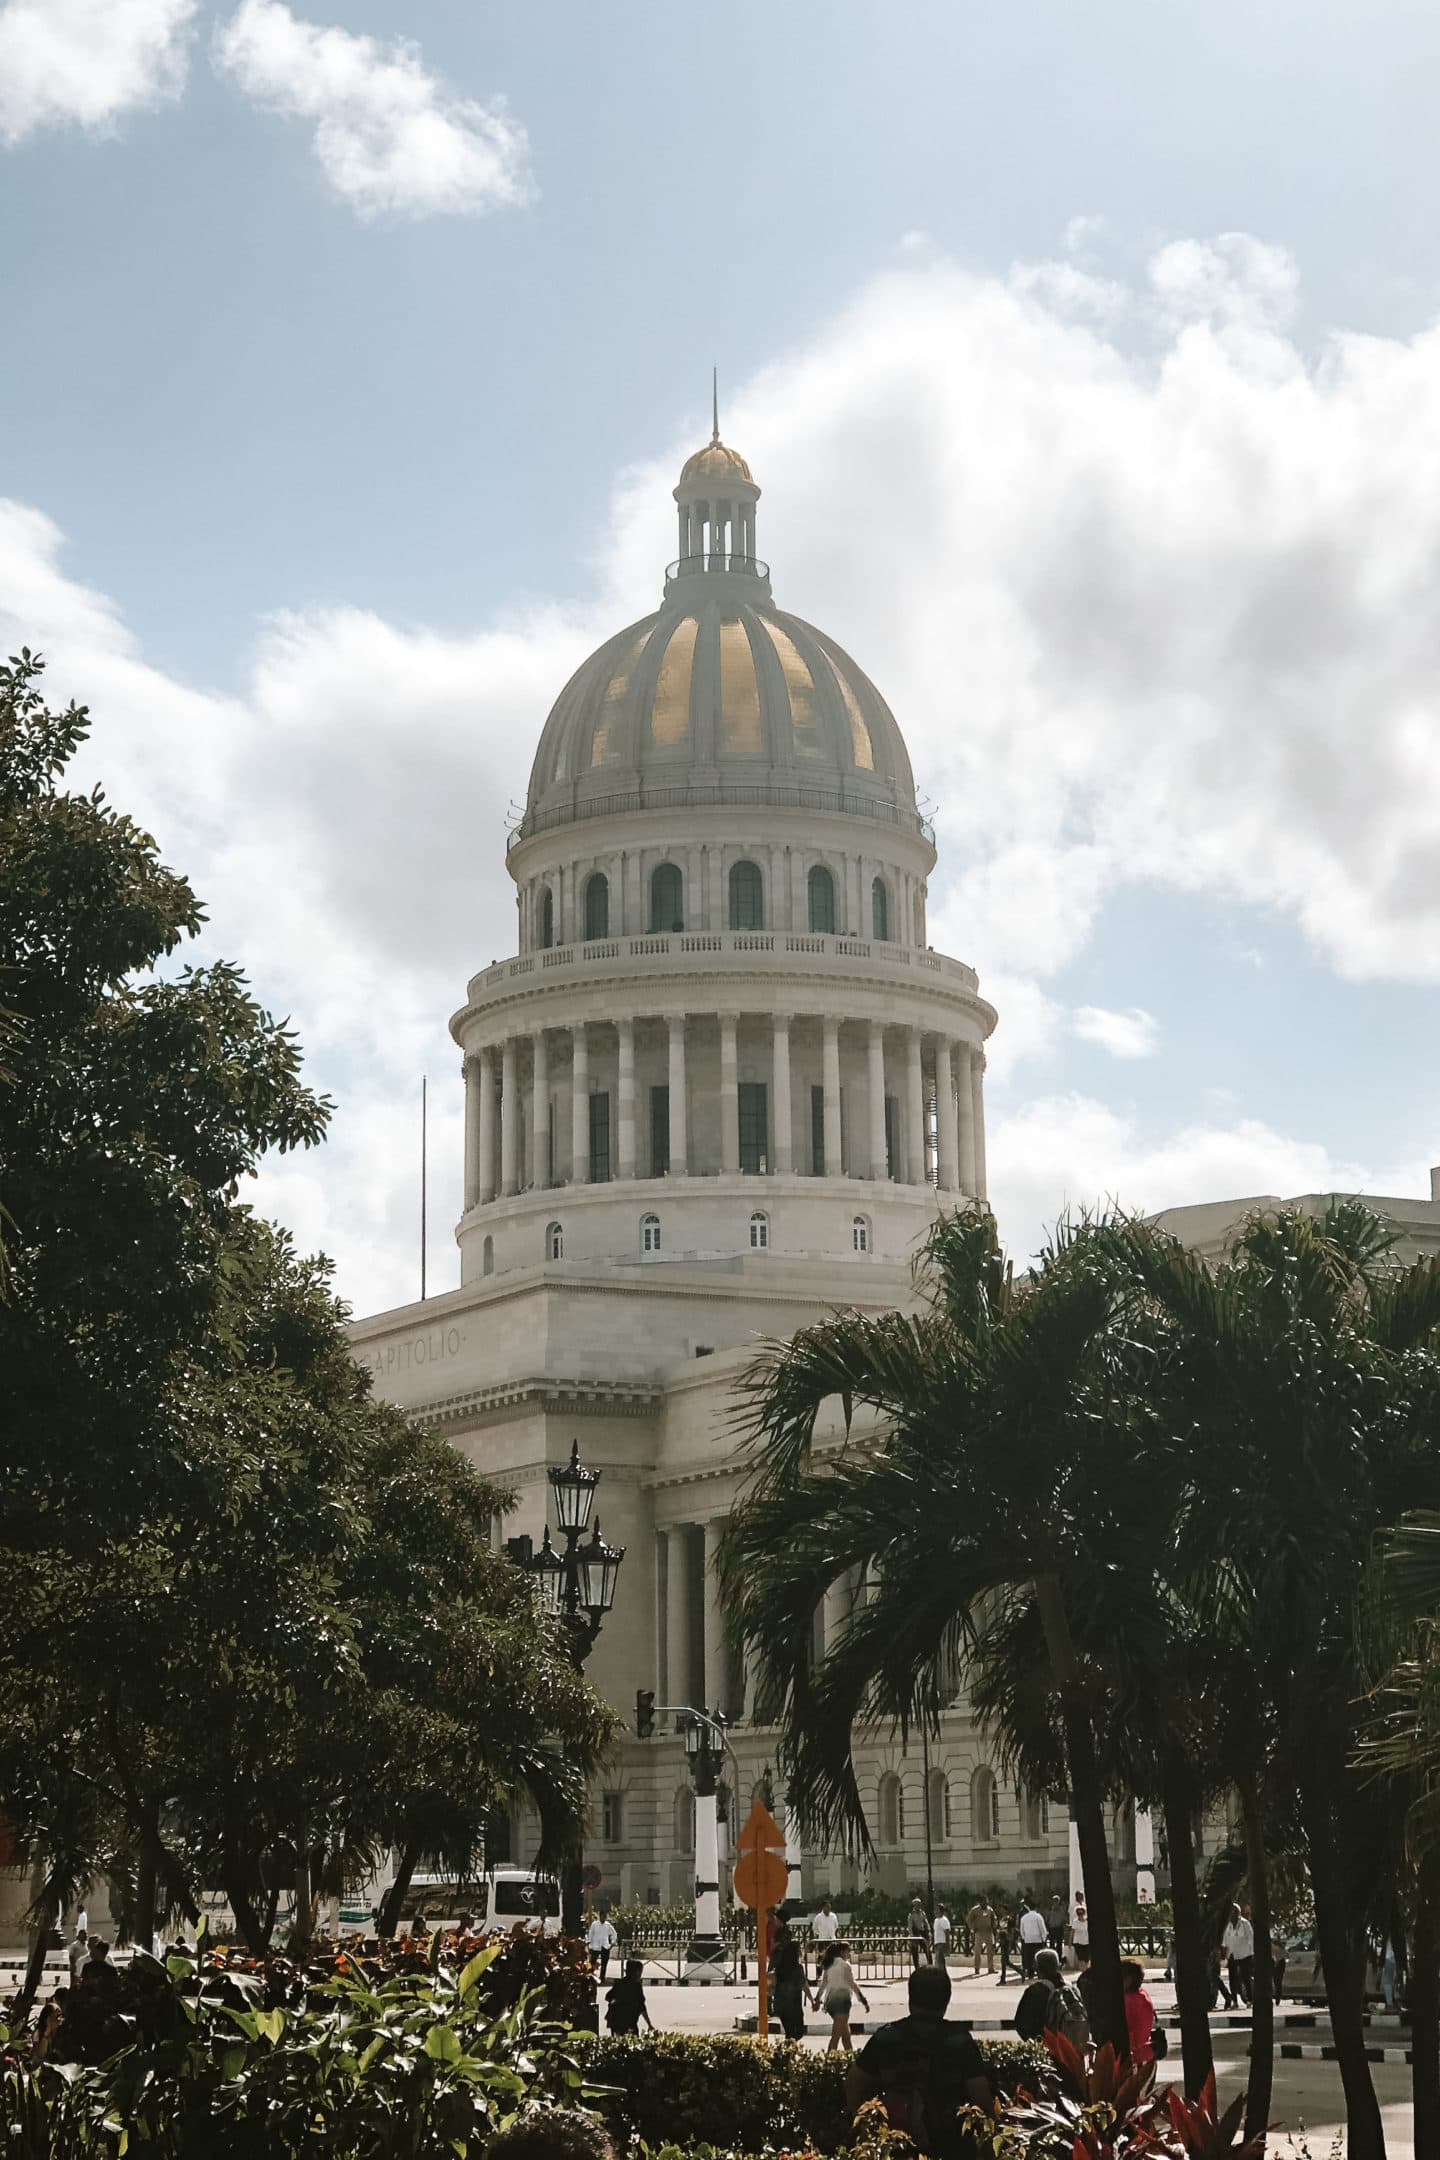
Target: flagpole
[[424, 1137]]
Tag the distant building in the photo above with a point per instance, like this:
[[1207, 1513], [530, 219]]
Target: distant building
[[1212, 1225]]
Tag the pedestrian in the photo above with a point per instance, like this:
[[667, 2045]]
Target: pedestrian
[[1217, 1979], [1279, 1953], [940, 1935], [981, 1922], [1055, 1926], [1238, 1944], [78, 1952], [97, 1971], [924, 2068], [600, 1940], [837, 1989], [1033, 1937], [1049, 2005], [1389, 1976], [1080, 1928], [1085, 1981], [824, 1929], [919, 1935], [1005, 1936], [787, 1975], [1139, 2012], [625, 2001]]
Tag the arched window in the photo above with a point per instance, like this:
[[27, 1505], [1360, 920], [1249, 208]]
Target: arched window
[[891, 1810], [597, 906], [860, 1234], [547, 918], [649, 1233], [747, 897], [685, 1819], [940, 1806], [487, 1257], [821, 888], [759, 1230], [984, 1807], [554, 1241], [1032, 1815], [879, 911], [667, 898]]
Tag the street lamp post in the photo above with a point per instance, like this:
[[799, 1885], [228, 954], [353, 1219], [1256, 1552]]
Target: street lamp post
[[578, 1585], [705, 1752]]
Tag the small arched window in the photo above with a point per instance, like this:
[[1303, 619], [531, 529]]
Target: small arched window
[[649, 1233], [891, 1810], [667, 899], [554, 1241], [821, 889], [860, 1234], [879, 911], [597, 906], [1032, 1815], [547, 918], [487, 1257], [685, 1819], [759, 1230], [747, 897], [984, 1807], [940, 1806]]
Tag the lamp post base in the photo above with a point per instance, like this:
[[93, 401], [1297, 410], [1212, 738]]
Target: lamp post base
[[707, 1958]]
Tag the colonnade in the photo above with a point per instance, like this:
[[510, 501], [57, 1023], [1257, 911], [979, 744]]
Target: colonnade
[[936, 1079], [695, 1664]]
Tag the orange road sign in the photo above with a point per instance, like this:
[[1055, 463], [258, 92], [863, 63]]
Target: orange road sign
[[760, 1878]]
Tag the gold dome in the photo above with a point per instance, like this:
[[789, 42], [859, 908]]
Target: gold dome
[[715, 462]]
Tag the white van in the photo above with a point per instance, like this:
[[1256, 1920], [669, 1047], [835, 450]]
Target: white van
[[516, 1898]]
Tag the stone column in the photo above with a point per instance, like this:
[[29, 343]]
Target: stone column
[[775, 911], [662, 1615], [945, 1115], [678, 1676], [964, 1120], [839, 1599], [692, 914], [540, 1111], [471, 1070], [977, 1098], [486, 1187], [625, 1098], [830, 1072], [799, 920], [679, 1127], [509, 1118], [579, 1106], [879, 1162], [914, 1110], [717, 1663], [780, 1113], [729, 1096]]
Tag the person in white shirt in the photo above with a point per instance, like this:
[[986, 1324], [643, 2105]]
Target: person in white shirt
[[940, 1935], [600, 1940], [1034, 1935], [78, 1952], [824, 1930], [1238, 1944]]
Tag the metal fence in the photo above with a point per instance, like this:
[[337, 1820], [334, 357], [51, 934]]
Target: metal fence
[[875, 1953]]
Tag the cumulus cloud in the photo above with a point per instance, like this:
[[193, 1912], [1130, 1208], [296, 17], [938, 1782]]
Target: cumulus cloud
[[1154, 605], [1131, 1034], [390, 137], [88, 62]]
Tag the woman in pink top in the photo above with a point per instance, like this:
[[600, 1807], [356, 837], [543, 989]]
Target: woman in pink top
[[1139, 2011]]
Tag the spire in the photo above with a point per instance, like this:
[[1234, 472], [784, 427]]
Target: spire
[[715, 406]]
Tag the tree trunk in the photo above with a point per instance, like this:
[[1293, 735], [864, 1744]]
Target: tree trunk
[[1262, 1985], [1087, 1798], [34, 1964], [1340, 1941], [143, 1925], [1192, 1980], [1423, 2002], [388, 1917], [247, 1917]]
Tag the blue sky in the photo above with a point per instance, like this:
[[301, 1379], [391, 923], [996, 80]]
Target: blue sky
[[1086, 358]]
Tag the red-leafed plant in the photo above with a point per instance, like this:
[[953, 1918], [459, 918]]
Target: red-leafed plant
[[1201, 2132]]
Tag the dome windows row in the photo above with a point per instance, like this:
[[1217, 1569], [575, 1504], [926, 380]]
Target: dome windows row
[[746, 904], [652, 1239]]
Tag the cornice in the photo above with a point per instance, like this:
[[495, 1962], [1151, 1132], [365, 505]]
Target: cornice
[[572, 1397]]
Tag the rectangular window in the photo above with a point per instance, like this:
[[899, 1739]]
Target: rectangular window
[[600, 1139], [892, 1137], [817, 1131], [659, 1131], [754, 1136], [612, 1828]]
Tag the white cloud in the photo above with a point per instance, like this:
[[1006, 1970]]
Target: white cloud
[[390, 137], [88, 61], [1131, 1034]]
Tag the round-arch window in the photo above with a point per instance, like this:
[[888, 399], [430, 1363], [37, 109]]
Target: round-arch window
[[667, 899], [597, 906], [759, 1230], [860, 1234], [821, 889], [747, 897], [940, 1806], [554, 1241], [487, 1257], [891, 1825], [879, 911], [547, 918], [649, 1233], [984, 1807]]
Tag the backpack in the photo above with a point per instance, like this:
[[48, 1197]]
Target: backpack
[[1074, 2018], [1033, 2012]]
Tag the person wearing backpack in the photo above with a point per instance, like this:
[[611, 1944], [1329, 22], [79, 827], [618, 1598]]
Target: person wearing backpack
[[925, 2069], [1050, 2005], [625, 2000]]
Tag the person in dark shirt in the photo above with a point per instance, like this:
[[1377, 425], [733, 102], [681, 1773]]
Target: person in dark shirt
[[625, 2000], [924, 2068]]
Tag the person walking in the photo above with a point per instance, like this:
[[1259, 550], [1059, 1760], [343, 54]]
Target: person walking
[[625, 2002], [981, 1922], [1279, 1955], [838, 1988], [1033, 1937], [787, 1973], [1005, 1936], [77, 1953], [600, 1940], [1049, 2004], [824, 1930], [1055, 1926], [919, 1935], [940, 1935], [1080, 1928], [1218, 1989], [1238, 1944]]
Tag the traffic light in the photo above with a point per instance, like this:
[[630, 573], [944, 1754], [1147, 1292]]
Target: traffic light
[[645, 1712]]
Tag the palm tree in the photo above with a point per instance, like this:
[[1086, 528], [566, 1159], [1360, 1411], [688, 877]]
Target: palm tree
[[1002, 1450]]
